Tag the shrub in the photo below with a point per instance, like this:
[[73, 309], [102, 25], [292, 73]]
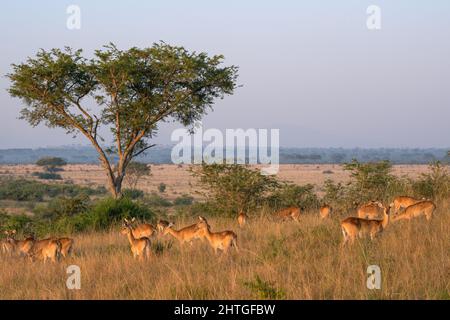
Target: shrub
[[369, 180], [63, 207], [433, 185], [155, 200], [184, 200], [47, 175], [294, 195], [162, 187], [265, 290], [233, 187], [110, 211], [29, 190], [132, 193], [20, 223]]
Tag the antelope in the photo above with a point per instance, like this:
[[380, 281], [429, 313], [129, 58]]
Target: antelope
[[353, 227], [289, 213], [46, 249], [161, 225], [218, 240], [325, 211], [418, 209], [186, 234], [402, 202], [144, 230], [371, 210], [66, 246], [20, 247], [242, 217], [140, 247]]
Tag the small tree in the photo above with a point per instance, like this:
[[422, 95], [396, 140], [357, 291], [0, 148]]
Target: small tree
[[51, 164], [133, 90], [294, 195], [371, 180], [162, 187], [135, 171], [233, 187], [434, 184]]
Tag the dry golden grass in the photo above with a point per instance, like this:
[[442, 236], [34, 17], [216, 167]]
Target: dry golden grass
[[300, 261]]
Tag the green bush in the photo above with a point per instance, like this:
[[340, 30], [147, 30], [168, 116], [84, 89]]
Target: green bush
[[155, 200], [433, 185], [20, 223], [30, 190], [289, 195], [62, 207], [110, 211], [234, 187], [133, 193], [47, 175], [66, 216], [162, 187], [265, 290], [184, 200], [370, 180]]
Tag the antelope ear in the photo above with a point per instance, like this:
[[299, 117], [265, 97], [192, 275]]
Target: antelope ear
[[126, 220], [14, 231], [133, 219]]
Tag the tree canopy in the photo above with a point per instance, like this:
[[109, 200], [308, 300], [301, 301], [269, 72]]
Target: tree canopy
[[129, 91]]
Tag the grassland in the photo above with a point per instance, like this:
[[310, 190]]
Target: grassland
[[276, 261]]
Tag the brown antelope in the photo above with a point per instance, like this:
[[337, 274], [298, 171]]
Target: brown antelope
[[140, 247], [66, 246], [402, 202], [142, 230], [425, 208], [353, 227], [218, 240], [13, 246], [325, 211], [186, 234], [161, 225], [289, 213], [371, 210], [46, 249], [242, 217]]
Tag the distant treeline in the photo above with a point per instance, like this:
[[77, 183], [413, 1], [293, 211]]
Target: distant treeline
[[162, 154]]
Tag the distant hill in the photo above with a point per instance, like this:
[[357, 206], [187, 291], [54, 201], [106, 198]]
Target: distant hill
[[162, 154]]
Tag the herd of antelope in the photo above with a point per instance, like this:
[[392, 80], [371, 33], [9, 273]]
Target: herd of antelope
[[46, 249], [367, 223]]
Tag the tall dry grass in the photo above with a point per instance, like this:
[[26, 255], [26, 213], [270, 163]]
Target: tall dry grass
[[276, 260]]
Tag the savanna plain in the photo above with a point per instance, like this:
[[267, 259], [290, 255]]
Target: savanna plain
[[276, 259]]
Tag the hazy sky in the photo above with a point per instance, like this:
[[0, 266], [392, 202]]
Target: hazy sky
[[310, 68]]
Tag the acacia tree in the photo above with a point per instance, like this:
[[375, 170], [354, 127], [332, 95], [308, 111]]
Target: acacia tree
[[130, 92]]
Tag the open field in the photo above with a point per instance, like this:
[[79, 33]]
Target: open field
[[293, 261], [276, 260], [179, 180]]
